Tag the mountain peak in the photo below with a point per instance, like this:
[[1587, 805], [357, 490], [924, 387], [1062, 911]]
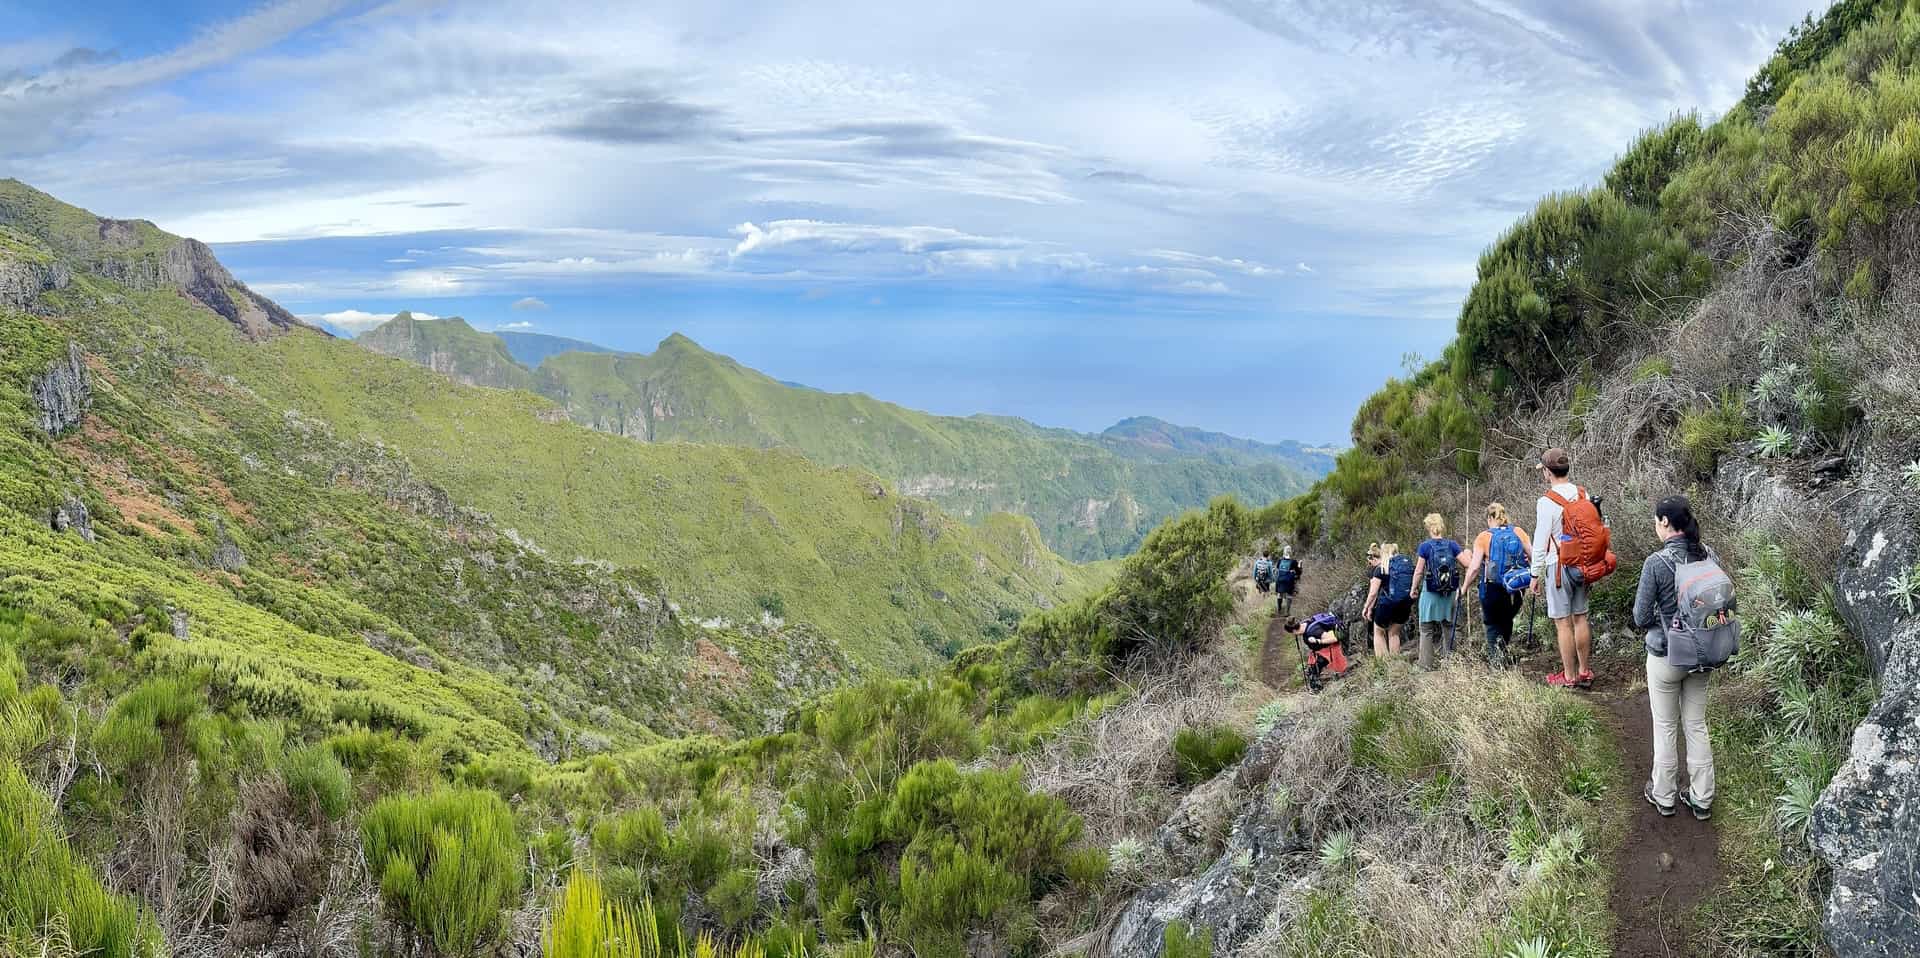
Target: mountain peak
[[138, 255], [681, 342]]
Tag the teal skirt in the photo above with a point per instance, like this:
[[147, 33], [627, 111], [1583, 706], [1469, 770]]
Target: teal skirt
[[1436, 608]]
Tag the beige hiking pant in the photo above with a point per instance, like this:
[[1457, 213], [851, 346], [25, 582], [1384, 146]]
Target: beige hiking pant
[[1679, 700]]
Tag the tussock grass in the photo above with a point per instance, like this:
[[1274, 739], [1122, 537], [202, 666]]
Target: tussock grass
[[1444, 817]]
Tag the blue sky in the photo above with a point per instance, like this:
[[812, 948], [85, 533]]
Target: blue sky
[[1238, 214]]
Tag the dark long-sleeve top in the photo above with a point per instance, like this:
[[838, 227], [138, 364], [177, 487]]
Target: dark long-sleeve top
[[1659, 597]]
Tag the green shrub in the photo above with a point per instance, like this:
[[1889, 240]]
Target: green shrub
[[1200, 753], [316, 778], [1708, 432], [1394, 739], [449, 864], [43, 885], [586, 925], [1180, 940], [158, 717]]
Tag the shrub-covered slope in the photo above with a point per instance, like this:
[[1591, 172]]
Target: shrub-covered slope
[[1093, 497]]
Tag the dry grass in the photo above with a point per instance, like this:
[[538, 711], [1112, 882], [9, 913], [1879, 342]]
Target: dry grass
[[1431, 874]]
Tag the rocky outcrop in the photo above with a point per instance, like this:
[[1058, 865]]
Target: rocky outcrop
[[22, 282], [63, 392], [1229, 898], [72, 516], [189, 266], [1867, 824]]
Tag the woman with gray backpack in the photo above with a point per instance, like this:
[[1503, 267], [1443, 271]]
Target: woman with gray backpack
[[1686, 605]]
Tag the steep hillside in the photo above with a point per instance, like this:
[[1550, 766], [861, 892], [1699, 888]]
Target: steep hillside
[[450, 347], [736, 536], [1093, 497]]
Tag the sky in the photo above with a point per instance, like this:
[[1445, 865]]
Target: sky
[[1242, 215]]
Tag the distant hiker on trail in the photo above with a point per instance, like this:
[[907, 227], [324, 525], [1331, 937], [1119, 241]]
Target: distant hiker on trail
[[1570, 554], [1286, 579], [1687, 606], [1263, 571], [1436, 580], [1502, 553], [1389, 596], [1320, 639]]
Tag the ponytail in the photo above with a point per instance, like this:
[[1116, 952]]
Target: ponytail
[[1679, 514]]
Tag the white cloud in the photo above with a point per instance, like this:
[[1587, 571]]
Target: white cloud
[[855, 238], [518, 325], [1302, 267], [530, 303]]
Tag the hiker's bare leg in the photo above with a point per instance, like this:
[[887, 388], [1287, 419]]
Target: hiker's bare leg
[[1582, 644], [1379, 641], [1563, 634], [1393, 639]]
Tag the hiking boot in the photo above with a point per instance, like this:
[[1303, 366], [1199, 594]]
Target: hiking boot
[[1585, 681], [1559, 680], [1701, 812], [1666, 811]]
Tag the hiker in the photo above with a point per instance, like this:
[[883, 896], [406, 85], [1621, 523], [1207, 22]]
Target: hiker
[[1683, 647], [1570, 554], [1286, 579], [1501, 553], [1389, 596], [1263, 570], [1436, 577], [1320, 638]]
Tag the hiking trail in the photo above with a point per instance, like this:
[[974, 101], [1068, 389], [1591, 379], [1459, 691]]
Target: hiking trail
[[1653, 896]]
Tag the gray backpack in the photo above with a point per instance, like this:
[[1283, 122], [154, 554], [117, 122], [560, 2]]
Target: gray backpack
[[1705, 632]]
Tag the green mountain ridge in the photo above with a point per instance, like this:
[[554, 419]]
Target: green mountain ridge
[[1092, 496], [254, 479]]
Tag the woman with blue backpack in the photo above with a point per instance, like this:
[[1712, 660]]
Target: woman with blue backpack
[[1504, 554], [1389, 596], [1436, 579]]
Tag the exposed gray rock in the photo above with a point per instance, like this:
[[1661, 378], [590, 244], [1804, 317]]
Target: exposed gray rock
[[1232, 896], [227, 557], [22, 282], [1867, 823], [63, 392], [72, 516], [180, 621], [189, 266]]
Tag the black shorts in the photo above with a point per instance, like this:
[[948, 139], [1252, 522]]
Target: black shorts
[[1392, 613]]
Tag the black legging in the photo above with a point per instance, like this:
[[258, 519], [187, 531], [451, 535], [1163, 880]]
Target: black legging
[[1497, 609]]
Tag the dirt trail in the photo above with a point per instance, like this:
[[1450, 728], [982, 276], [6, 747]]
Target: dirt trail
[[1666, 866]]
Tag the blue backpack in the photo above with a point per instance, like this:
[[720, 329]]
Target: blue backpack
[[1508, 565], [1399, 580], [1262, 569], [1286, 572]]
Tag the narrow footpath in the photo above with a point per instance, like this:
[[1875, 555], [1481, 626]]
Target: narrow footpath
[[1665, 866]]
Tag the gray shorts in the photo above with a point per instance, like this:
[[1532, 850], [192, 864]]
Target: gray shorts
[[1565, 599]]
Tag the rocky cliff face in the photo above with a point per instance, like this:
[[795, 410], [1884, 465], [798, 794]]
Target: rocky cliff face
[[1867, 825], [63, 392], [22, 282], [189, 266]]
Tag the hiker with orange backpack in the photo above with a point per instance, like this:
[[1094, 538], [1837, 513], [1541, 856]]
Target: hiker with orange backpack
[[1572, 550]]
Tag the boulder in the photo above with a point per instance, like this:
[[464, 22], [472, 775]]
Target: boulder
[[72, 516], [1867, 823], [63, 392]]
